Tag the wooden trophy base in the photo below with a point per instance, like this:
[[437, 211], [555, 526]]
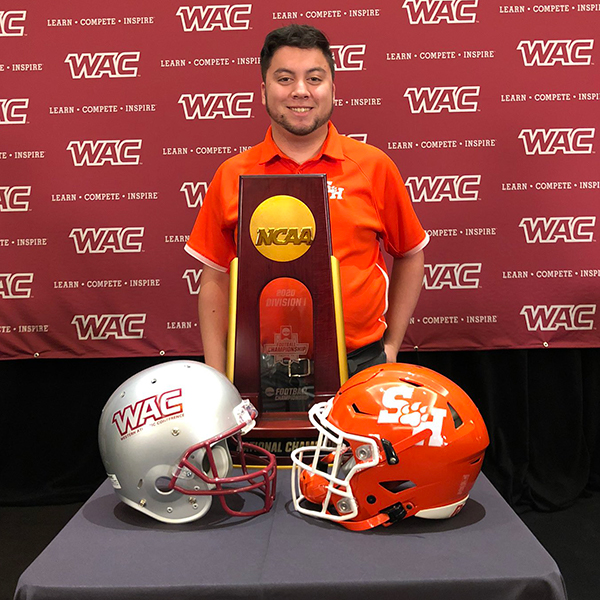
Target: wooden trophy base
[[281, 433]]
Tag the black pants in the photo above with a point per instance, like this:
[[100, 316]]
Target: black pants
[[298, 393], [367, 356]]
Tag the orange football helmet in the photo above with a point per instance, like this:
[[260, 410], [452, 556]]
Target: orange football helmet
[[396, 441]]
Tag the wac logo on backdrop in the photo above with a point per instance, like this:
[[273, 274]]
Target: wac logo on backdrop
[[100, 240], [550, 230], [11, 198], [111, 64], [456, 188], [192, 277], [101, 327], [210, 106], [571, 317], [96, 153], [232, 17], [194, 193], [348, 58], [547, 53], [454, 276], [12, 111], [434, 12], [12, 23], [149, 410], [15, 286], [436, 99], [551, 141]]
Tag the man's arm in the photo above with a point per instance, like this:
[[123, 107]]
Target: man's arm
[[213, 314], [405, 287]]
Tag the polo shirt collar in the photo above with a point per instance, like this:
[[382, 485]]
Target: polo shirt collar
[[331, 148]]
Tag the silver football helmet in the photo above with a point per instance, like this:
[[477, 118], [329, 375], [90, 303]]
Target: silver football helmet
[[163, 440]]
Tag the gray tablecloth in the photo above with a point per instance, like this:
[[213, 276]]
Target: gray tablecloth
[[109, 551]]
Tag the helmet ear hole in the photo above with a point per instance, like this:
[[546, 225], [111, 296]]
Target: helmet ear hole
[[162, 485]]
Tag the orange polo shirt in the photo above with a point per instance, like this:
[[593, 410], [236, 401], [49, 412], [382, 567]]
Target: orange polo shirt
[[368, 204]]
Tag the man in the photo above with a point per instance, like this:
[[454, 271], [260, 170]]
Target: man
[[298, 93]]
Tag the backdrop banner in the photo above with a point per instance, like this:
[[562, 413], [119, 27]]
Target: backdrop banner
[[115, 115]]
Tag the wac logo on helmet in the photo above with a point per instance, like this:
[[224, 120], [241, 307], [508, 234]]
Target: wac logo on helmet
[[150, 410], [282, 228]]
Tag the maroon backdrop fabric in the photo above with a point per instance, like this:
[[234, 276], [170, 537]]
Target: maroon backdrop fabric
[[114, 117]]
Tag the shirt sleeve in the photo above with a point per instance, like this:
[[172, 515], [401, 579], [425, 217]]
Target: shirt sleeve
[[402, 232], [212, 240]]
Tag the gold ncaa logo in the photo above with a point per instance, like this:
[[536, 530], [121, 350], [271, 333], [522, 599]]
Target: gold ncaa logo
[[282, 228]]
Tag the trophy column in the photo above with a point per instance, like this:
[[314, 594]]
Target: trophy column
[[286, 347]]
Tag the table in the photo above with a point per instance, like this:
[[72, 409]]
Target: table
[[108, 550]]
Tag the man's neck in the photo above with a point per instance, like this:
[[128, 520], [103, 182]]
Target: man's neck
[[299, 148]]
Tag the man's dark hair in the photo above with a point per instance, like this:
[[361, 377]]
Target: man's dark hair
[[296, 36]]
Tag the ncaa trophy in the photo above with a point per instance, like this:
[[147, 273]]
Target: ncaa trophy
[[286, 347]]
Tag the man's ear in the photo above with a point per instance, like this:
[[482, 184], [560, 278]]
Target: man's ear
[[263, 93]]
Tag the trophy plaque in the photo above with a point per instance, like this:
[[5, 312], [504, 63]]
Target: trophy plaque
[[286, 347]]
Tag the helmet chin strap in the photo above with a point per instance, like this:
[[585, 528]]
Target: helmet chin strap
[[386, 517], [380, 519]]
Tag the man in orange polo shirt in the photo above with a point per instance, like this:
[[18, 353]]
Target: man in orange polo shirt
[[368, 205]]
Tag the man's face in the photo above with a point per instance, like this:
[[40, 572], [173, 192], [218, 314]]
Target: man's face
[[298, 90]]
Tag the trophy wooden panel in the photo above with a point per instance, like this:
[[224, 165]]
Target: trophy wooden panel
[[314, 270]]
